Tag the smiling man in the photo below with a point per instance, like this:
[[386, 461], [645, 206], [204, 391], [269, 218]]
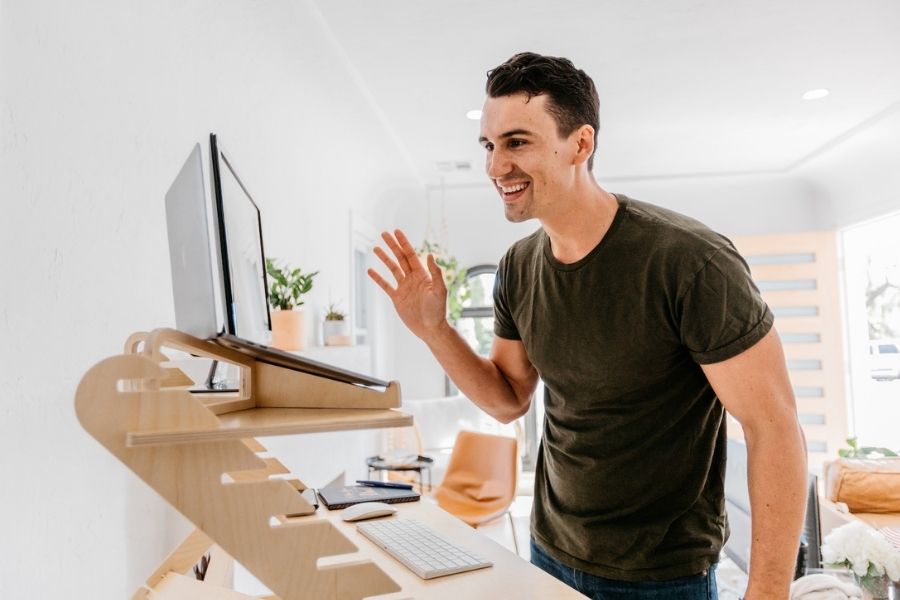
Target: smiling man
[[645, 327]]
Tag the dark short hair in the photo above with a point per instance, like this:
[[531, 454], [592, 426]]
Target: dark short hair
[[571, 96]]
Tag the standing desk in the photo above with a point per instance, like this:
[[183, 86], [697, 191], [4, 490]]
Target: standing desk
[[201, 455]]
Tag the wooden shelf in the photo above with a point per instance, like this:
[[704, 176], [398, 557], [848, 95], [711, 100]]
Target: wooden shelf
[[262, 422], [181, 444]]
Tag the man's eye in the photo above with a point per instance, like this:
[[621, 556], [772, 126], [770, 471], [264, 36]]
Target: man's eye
[[516, 143], [489, 147]]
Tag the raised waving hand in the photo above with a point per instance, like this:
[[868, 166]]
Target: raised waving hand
[[420, 296]]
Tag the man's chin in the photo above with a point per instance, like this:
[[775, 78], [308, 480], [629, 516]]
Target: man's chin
[[516, 215]]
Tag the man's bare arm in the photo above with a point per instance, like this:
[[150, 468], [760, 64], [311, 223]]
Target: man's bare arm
[[500, 385], [754, 387]]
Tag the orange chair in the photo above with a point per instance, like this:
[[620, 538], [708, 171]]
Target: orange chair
[[480, 482]]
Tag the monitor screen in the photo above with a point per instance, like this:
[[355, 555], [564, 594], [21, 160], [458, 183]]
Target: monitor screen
[[242, 253]]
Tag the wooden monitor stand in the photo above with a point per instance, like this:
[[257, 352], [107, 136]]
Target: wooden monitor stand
[[201, 456]]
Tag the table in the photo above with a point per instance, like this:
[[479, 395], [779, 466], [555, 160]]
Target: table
[[422, 463], [510, 577]]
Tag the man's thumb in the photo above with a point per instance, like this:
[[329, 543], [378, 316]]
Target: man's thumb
[[436, 275]]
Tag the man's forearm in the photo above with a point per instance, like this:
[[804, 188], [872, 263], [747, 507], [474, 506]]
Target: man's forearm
[[478, 378], [777, 481]]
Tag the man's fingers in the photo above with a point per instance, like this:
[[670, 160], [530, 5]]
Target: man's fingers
[[395, 270], [436, 275], [390, 291], [402, 259], [408, 249]]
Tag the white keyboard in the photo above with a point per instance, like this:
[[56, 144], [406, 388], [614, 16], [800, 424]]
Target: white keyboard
[[420, 549]]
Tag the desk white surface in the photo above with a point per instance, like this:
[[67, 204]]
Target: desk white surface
[[510, 577]]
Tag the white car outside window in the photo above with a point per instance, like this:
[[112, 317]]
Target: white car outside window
[[884, 357]]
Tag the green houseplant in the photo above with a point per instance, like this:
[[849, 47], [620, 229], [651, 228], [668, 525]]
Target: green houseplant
[[334, 314], [286, 288], [857, 451]]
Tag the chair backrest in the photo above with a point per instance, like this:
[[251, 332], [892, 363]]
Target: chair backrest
[[482, 457]]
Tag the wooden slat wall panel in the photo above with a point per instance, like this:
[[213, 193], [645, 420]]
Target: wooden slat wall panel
[[831, 406], [786, 271], [792, 298]]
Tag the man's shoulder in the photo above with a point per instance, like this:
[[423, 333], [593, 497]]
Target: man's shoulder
[[671, 229]]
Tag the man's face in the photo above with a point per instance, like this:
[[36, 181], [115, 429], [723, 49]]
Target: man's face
[[526, 159]]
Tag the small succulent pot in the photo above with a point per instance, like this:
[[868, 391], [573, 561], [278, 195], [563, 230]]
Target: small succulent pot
[[336, 332]]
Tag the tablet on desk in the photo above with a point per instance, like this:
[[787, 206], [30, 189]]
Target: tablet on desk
[[336, 497]]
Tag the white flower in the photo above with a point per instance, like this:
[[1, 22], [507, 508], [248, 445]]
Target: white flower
[[862, 549]]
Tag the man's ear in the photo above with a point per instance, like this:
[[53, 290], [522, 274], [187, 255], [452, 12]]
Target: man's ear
[[584, 138]]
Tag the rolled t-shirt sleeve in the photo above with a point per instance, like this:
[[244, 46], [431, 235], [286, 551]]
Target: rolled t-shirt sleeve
[[504, 326], [722, 312]]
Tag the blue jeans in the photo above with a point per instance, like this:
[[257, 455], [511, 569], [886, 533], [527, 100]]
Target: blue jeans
[[695, 587]]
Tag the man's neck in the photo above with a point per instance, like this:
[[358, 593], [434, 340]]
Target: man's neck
[[580, 223]]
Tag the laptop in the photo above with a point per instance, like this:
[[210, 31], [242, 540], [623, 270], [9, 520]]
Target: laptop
[[218, 267]]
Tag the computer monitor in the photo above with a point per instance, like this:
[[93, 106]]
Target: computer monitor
[[737, 505], [193, 277], [241, 252], [219, 279], [812, 525]]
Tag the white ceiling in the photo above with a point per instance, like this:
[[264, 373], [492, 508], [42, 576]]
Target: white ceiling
[[687, 87]]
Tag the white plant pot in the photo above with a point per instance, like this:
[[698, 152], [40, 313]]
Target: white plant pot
[[336, 333]]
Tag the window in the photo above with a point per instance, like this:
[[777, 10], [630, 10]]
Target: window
[[872, 304], [360, 289], [476, 325]]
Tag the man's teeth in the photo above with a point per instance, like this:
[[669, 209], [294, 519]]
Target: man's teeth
[[514, 188]]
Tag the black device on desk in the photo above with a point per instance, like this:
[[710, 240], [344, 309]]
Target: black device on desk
[[336, 497]]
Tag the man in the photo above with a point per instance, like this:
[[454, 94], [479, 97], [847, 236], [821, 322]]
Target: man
[[644, 326]]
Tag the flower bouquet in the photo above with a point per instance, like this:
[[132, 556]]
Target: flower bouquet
[[875, 563]]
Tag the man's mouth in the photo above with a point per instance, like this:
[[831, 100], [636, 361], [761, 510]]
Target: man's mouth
[[511, 192]]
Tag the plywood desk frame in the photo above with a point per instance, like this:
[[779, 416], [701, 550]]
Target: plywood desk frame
[[201, 456]]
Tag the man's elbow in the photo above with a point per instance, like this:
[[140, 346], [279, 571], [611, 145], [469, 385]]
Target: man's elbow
[[512, 413], [782, 423]]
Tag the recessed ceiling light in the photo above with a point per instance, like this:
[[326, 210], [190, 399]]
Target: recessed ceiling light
[[473, 114], [816, 94]]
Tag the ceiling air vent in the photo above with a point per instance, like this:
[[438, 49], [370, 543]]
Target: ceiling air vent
[[446, 166]]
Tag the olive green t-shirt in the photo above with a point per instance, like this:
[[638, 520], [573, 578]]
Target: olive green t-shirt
[[630, 471]]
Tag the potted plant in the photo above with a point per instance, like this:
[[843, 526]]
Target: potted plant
[[286, 287], [874, 562], [336, 327]]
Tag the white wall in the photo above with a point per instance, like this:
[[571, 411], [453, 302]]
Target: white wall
[[738, 205], [100, 102]]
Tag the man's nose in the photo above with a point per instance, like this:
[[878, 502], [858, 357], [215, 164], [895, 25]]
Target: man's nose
[[497, 164]]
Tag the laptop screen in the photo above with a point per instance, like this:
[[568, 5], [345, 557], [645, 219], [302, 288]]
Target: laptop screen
[[243, 256]]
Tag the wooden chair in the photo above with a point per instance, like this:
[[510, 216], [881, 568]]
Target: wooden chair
[[480, 483]]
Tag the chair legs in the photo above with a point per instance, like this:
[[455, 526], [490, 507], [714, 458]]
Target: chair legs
[[513, 527]]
